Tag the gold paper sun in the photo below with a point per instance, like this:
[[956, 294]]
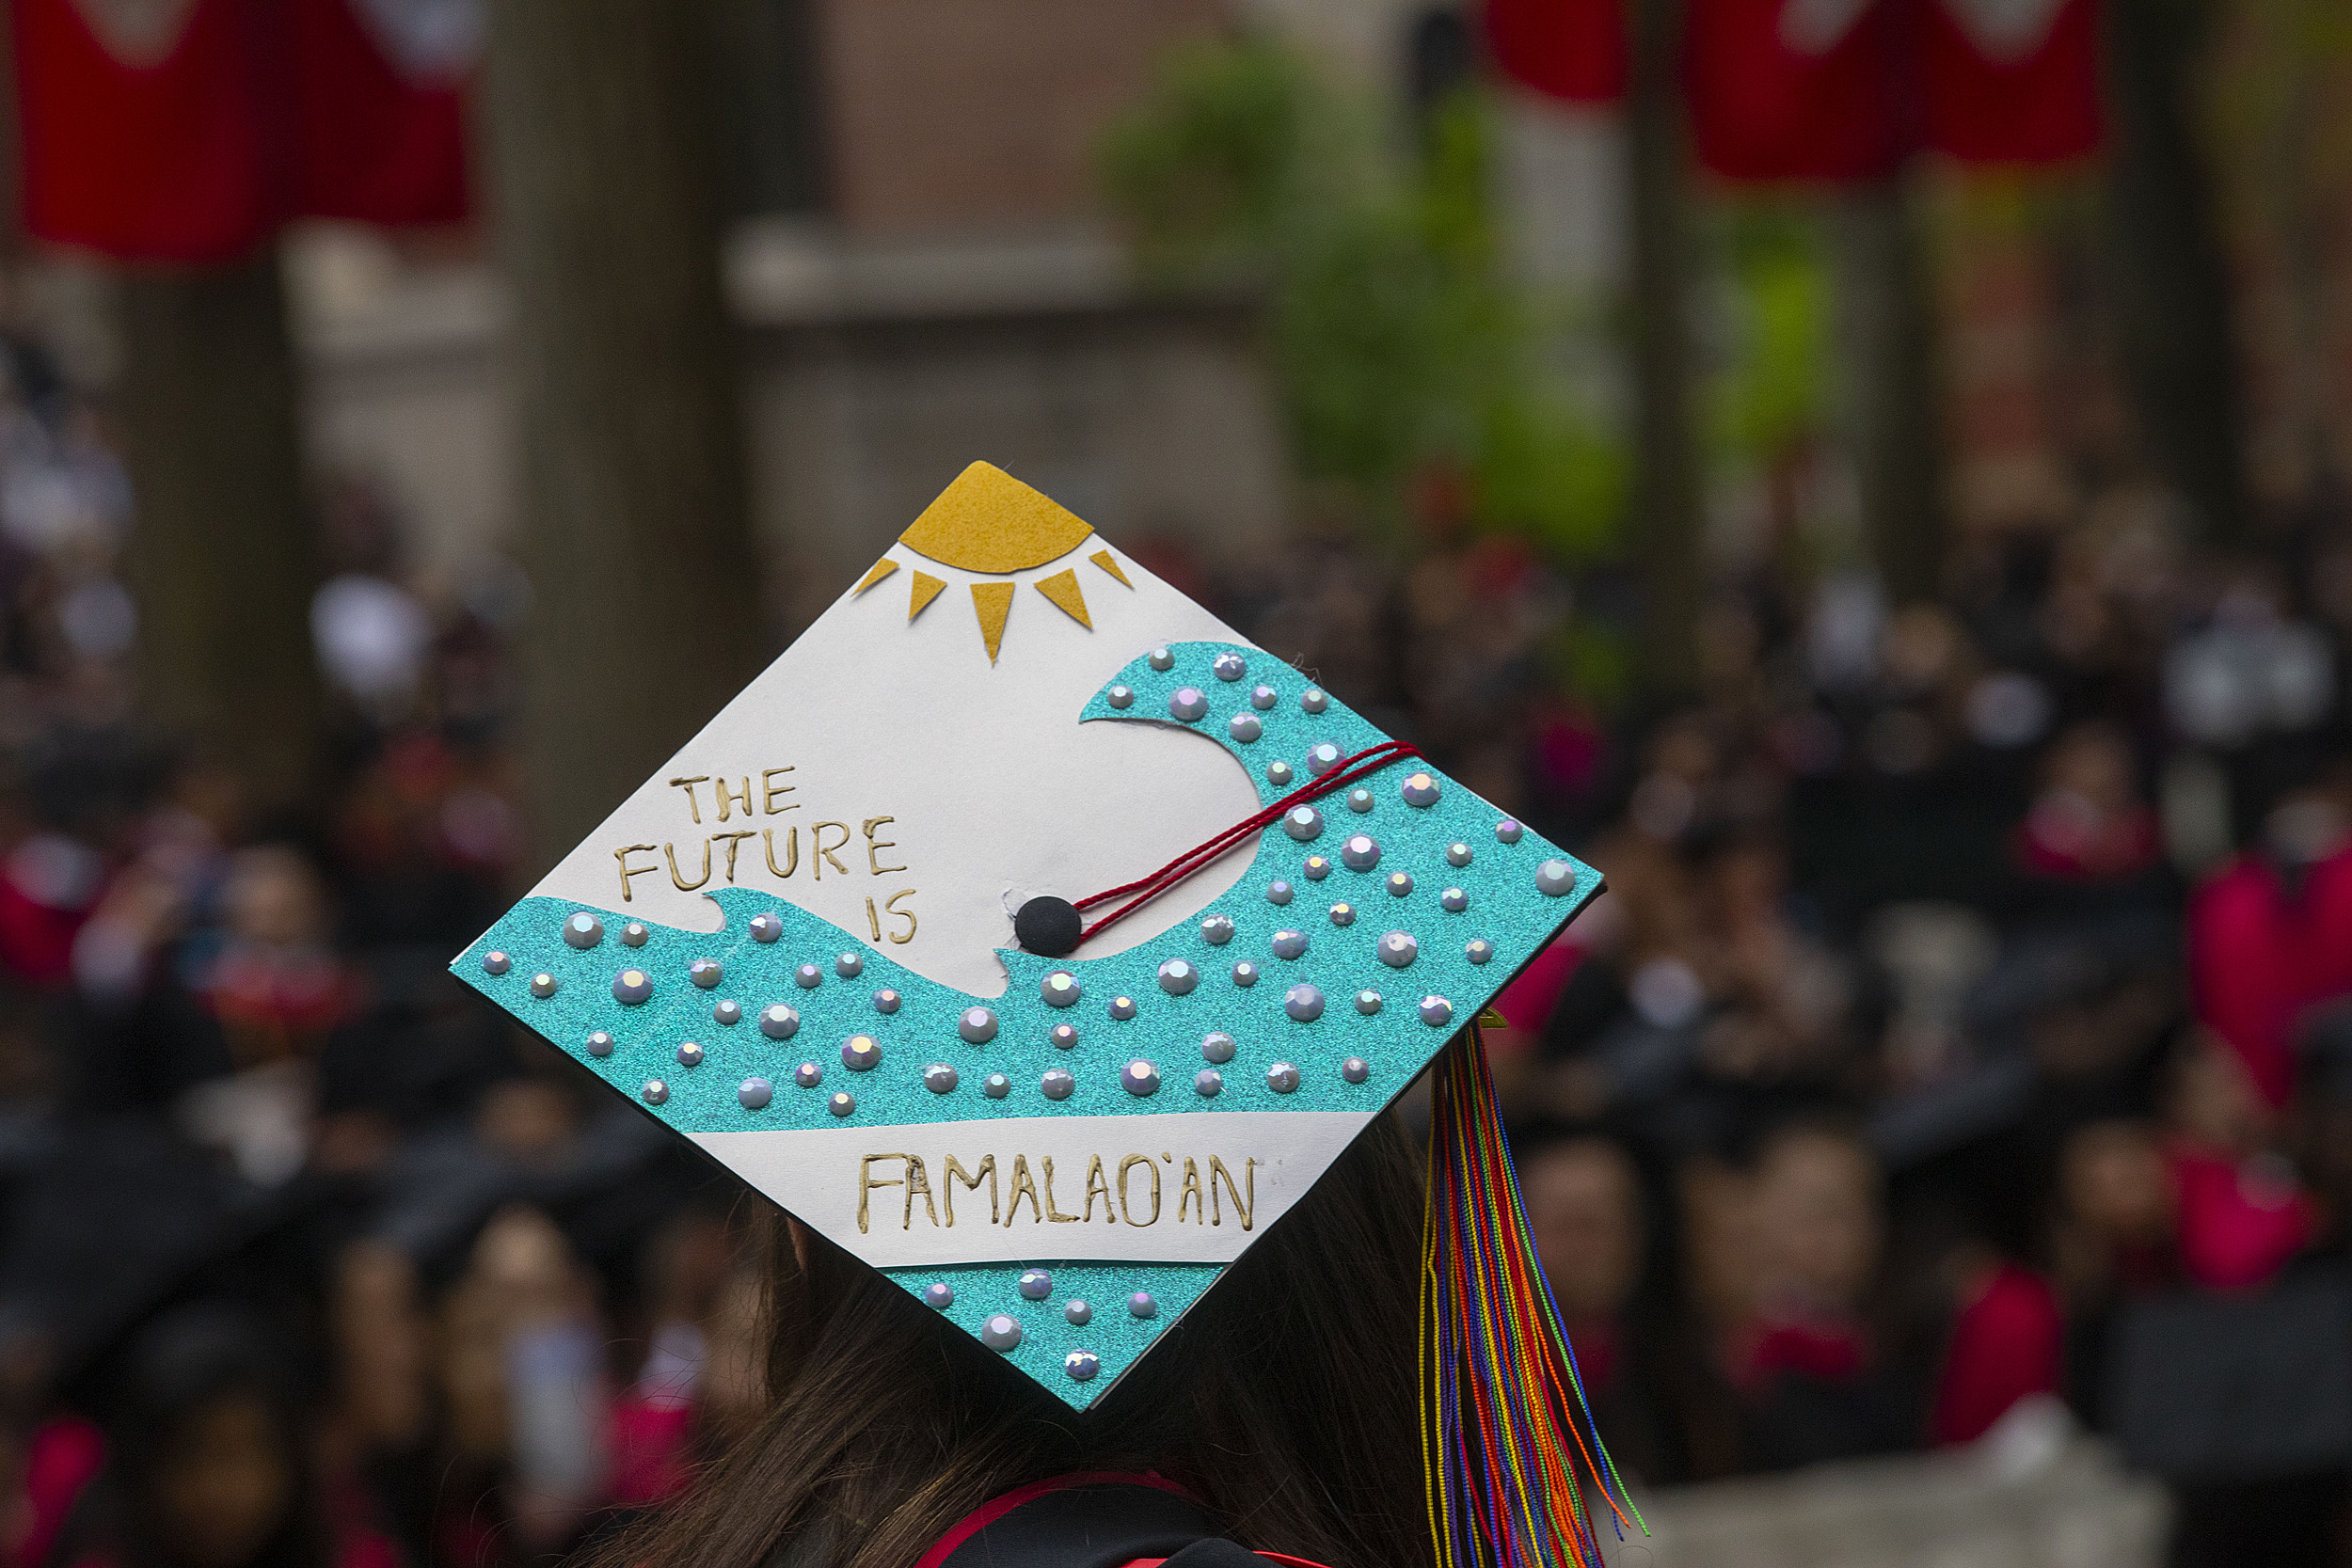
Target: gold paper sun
[[990, 522]]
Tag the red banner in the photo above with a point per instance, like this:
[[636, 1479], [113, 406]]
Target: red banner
[[186, 131], [2012, 81], [143, 129], [1572, 50], [1797, 90]]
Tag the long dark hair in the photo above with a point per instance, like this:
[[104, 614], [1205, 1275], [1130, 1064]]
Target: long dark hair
[[1285, 1402]]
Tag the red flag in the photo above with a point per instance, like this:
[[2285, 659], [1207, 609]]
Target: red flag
[[143, 128], [379, 109], [2012, 81], [1796, 90], [1567, 49]]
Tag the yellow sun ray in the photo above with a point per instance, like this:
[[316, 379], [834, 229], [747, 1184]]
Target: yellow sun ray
[[1109, 563], [883, 568], [1062, 588], [991, 602], [989, 521], [926, 589]]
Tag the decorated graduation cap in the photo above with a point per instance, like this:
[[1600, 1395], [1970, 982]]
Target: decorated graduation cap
[[1040, 941]]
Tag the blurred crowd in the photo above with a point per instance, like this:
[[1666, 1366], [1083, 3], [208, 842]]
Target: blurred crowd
[[1966, 1030]]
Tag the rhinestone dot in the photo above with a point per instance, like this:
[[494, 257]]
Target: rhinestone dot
[[1508, 832], [1141, 1305], [1399, 884], [767, 928], [1454, 900], [1302, 823], [1555, 878], [1245, 727], [1120, 696], [600, 1044], [1082, 1364], [1421, 789], [495, 962], [1216, 1046], [1122, 1009], [1078, 1312], [1312, 700], [1057, 1083], [655, 1092], [1064, 1035], [1178, 977], [778, 1022], [1399, 948], [808, 1075], [842, 1103], [1435, 1011], [635, 934], [997, 1085], [1001, 1332], [1263, 698], [1139, 1078], [808, 977], [1355, 1069], [1368, 1002], [753, 1094], [940, 1078], [848, 966], [1282, 1078], [543, 985], [939, 1295], [632, 988], [1479, 951], [1361, 852], [977, 1026], [583, 930], [1279, 773], [1162, 660], [861, 1054], [1359, 800], [1036, 1284], [1244, 974], [690, 1054], [1303, 1002], [1457, 855], [886, 1001], [1230, 667], [1208, 1083], [1289, 945], [1342, 914], [1188, 703], [1315, 868], [1216, 931], [1060, 990], [1322, 757], [704, 972], [729, 1012]]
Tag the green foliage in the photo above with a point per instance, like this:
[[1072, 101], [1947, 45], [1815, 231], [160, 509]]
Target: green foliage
[[1397, 345], [1771, 393]]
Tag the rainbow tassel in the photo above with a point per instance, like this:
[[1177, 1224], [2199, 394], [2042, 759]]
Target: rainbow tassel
[[1503, 1418]]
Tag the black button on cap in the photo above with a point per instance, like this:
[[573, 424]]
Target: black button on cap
[[1047, 927]]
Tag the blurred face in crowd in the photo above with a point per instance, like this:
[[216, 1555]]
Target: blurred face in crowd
[[1584, 1208], [1817, 1221], [2214, 1099], [225, 1483], [2093, 763], [381, 1333], [273, 899], [2114, 1185]]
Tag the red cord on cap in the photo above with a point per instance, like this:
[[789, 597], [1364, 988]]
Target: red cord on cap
[[1346, 772]]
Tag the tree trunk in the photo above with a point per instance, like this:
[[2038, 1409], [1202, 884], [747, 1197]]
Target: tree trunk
[[634, 527], [2170, 288], [1886, 332], [1665, 512], [223, 558]]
